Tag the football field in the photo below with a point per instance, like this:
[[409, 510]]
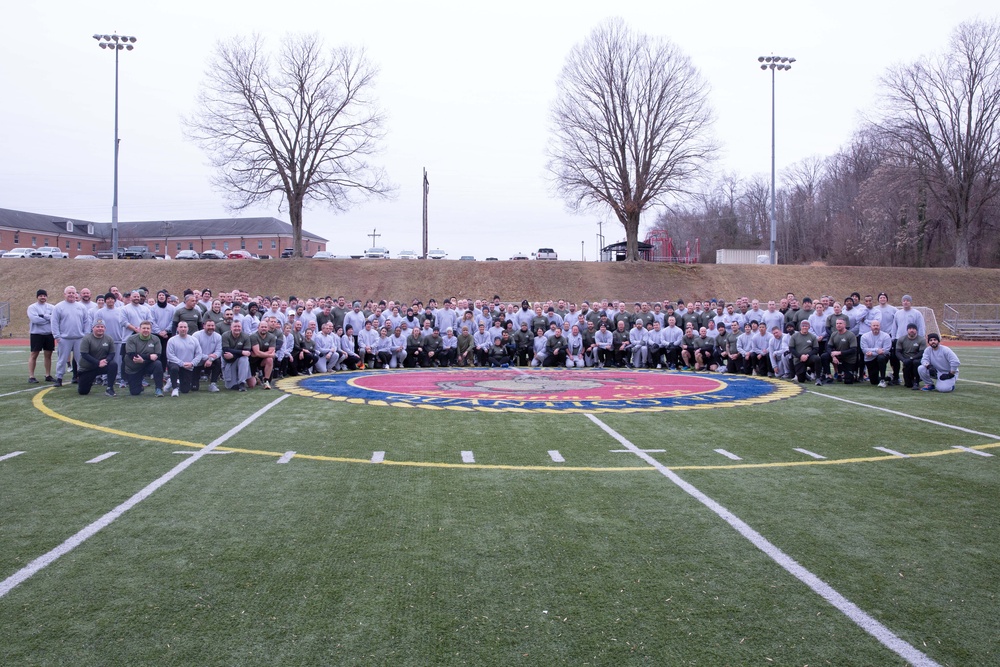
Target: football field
[[341, 521]]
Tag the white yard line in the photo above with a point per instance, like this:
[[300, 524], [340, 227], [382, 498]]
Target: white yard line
[[971, 450], [286, 457], [808, 453], [35, 566], [378, 457], [903, 414], [556, 456], [102, 457], [10, 456], [21, 391], [989, 384], [728, 455], [892, 451], [866, 622], [468, 457]]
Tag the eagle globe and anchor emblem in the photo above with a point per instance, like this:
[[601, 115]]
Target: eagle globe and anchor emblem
[[545, 390]]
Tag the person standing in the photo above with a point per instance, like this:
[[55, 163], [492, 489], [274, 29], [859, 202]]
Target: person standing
[[69, 326], [40, 335], [97, 357]]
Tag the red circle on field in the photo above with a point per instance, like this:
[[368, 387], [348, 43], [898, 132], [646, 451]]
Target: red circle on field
[[534, 385]]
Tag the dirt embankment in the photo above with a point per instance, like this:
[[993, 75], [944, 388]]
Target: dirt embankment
[[407, 280]]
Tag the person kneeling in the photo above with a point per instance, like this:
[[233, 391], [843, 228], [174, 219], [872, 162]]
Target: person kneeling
[[97, 357]]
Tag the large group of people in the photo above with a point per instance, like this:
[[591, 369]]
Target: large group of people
[[175, 342]]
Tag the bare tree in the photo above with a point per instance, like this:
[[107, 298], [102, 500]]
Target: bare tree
[[301, 124], [942, 118], [630, 125]]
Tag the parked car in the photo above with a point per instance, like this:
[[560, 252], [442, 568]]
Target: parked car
[[187, 254], [377, 253], [323, 254], [466, 258], [287, 252], [48, 252], [519, 255], [213, 254], [240, 254], [107, 254], [492, 259], [546, 253], [437, 253], [138, 252], [408, 254], [17, 253], [85, 257]]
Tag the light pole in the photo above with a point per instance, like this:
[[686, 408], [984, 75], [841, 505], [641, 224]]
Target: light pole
[[115, 43], [774, 63]]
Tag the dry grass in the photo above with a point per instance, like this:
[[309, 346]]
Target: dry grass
[[406, 280]]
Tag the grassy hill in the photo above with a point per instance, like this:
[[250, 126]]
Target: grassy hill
[[406, 280]]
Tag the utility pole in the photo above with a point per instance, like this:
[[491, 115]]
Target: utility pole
[[600, 238], [427, 188], [374, 236]]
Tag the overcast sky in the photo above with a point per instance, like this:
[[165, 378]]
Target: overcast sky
[[467, 87]]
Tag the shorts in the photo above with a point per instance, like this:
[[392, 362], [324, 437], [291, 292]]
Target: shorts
[[40, 342]]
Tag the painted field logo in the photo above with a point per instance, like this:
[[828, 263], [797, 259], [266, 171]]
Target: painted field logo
[[515, 390]]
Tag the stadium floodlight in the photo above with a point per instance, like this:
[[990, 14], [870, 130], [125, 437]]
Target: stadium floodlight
[[780, 63]]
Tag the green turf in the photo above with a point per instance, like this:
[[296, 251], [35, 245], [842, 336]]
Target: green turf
[[240, 561]]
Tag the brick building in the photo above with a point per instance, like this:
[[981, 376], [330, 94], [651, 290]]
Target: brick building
[[259, 236]]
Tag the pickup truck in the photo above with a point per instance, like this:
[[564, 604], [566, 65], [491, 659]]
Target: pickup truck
[[107, 254], [137, 252]]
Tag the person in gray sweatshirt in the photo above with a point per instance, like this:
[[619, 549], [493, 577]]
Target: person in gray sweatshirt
[[70, 320], [939, 365], [211, 349], [183, 357], [40, 332]]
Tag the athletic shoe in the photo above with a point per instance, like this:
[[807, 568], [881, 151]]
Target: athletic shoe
[[167, 385], [243, 386], [159, 393], [267, 384], [916, 387], [49, 378], [110, 393], [927, 387], [882, 384], [175, 393], [57, 383], [75, 381], [32, 381], [819, 383], [213, 388], [894, 382], [504, 365], [145, 383]]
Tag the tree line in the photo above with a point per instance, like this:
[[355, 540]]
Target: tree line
[[916, 186]]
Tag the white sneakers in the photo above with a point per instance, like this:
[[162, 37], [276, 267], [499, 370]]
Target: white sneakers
[[175, 392], [212, 387]]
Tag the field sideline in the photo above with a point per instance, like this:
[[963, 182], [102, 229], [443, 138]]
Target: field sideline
[[840, 526]]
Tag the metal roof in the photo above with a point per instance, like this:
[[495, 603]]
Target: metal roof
[[52, 224]]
